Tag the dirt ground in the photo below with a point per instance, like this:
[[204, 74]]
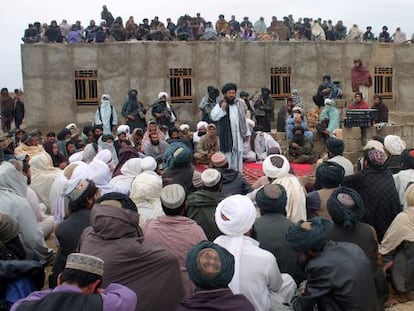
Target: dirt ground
[[408, 306]]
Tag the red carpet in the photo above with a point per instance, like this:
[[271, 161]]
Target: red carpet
[[253, 171]]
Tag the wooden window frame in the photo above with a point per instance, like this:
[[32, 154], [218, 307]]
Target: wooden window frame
[[181, 89], [383, 79], [86, 87], [280, 81]]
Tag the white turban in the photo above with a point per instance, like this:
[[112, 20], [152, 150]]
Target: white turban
[[77, 156], [132, 167], [273, 171], [394, 144], [71, 126], [161, 94], [239, 212], [202, 124], [184, 127], [123, 129], [104, 155], [374, 144], [148, 164]]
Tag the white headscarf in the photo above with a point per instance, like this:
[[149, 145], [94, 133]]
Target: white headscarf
[[43, 176], [100, 174], [394, 144], [88, 153], [122, 183], [102, 145], [234, 216], [148, 164], [275, 172], [146, 193], [77, 156]]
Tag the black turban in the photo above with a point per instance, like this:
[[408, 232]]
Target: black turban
[[329, 174], [265, 90], [210, 88], [125, 201], [63, 133], [244, 94], [272, 199], [407, 158], [346, 207], [227, 87], [335, 146], [305, 236], [209, 265]]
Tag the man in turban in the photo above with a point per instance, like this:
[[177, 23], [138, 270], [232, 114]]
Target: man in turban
[[329, 176], [211, 268], [330, 268], [406, 175], [376, 186], [264, 109], [394, 146], [335, 148], [231, 125], [256, 274], [270, 229]]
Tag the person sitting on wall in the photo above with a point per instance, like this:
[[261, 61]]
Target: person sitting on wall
[[327, 89], [382, 109], [359, 102], [300, 147]]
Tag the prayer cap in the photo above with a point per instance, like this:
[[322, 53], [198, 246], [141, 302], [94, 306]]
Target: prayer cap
[[346, 207], [235, 215], [276, 166], [272, 199], [210, 177], [219, 159], [311, 235], [330, 174], [335, 146], [74, 189], [228, 87], [173, 196], [394, 144], [209, 265], [86, 263]]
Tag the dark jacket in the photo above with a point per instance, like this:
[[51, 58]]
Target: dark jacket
[[270, 230], [161, 108], [339, 278], [68, 233], [202, 207], [234, 183], [377, 189], [216, 300]]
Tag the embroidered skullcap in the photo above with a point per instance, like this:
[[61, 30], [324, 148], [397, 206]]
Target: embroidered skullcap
[[210, 177], [235, 215], [75, 188], [219, 159], [173, 196], [375, 157], [272, 198], [394, 144], [86, 263], [346, 207], [148, 164], [276, 166], [209, 265], [311, 235], [228, 87]]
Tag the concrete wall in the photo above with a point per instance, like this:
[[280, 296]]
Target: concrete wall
[[48, 72]]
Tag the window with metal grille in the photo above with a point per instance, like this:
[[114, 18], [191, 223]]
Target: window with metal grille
[[180, 85], [280, 81], [86, 87], [383, 81]]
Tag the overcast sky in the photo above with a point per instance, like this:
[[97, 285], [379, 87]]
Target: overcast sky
[[15, 15]]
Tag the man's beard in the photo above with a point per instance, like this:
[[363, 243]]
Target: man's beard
[[155, 143], [299, 139], [230, 100], [201, 134]]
